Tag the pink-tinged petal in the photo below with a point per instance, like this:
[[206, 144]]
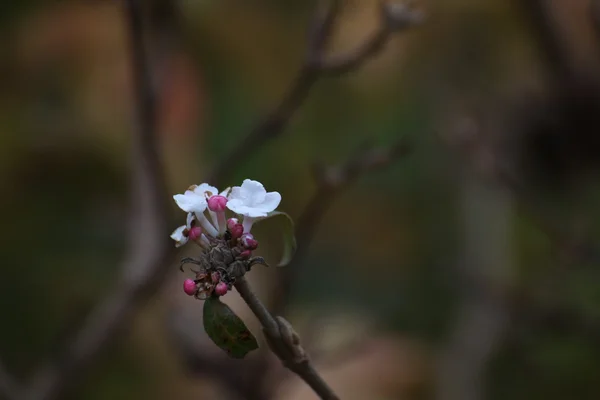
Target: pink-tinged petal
[[217, 203]]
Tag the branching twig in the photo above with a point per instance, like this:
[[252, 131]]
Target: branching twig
[[394, 18], [149, 251], [331, 182], [284, 343]]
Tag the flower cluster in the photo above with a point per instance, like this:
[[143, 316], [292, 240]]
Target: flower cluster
[[227, 243]]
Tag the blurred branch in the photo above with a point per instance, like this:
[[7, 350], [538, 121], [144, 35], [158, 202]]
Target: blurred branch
[[148, 250], [395, 17], [9, 389], [544, 24], [284, 342], [508, 306], [331, 181], [483, 317], [148, 253]]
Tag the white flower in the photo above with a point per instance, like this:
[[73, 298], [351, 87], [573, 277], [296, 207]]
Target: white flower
[[252, 201], [194, 201], [180, 235]]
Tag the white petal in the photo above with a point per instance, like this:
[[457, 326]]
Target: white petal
[[178, 236], [225, 192], [190, 202], [190, 219], [255, 212], [271, 202], [239, 208], [254, 191], [236, 193], [206, 225], [236, 205], [205, 187]]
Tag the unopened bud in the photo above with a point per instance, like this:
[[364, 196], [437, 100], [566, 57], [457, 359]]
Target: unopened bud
[[195, 233], [221, 289], [231, 222], [249, 242], [217, 203], [189, 287], [244, 255], [236, 231]]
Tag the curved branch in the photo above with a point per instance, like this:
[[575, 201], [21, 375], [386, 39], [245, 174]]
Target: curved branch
[[394, 18], [275, 331]]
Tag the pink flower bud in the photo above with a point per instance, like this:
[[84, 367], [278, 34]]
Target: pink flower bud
[[231, 222], [195, 233], [244, 255], [217, 203], [236, 231], [249, 242], [221, 289], [189, 287], [215, 277]]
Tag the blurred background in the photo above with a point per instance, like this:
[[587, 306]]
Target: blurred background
[[465, 270]]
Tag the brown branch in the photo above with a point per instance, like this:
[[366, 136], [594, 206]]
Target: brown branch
[[395, 17], [315, 65], [278, 335], [148, 253], [331, 182], [274, 123]]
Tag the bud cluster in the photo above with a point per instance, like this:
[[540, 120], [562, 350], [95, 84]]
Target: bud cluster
[[227, 244]]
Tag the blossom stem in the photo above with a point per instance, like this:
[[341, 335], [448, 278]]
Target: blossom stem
[[221, 222], [247, 223], [206, 225], [204, 242], [214, 218]]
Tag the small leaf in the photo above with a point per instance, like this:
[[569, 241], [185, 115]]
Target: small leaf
[[289, 239], [226, 329]]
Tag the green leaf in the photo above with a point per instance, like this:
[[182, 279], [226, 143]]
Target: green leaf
[[226, 329], [289, 239]]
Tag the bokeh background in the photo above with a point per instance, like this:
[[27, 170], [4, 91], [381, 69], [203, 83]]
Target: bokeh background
[[465, 270]]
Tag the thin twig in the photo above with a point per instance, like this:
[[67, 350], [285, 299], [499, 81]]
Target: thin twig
[[272, 329], [331, 182], [149, 250], [274, 123], [315, 65], [149, 253]]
